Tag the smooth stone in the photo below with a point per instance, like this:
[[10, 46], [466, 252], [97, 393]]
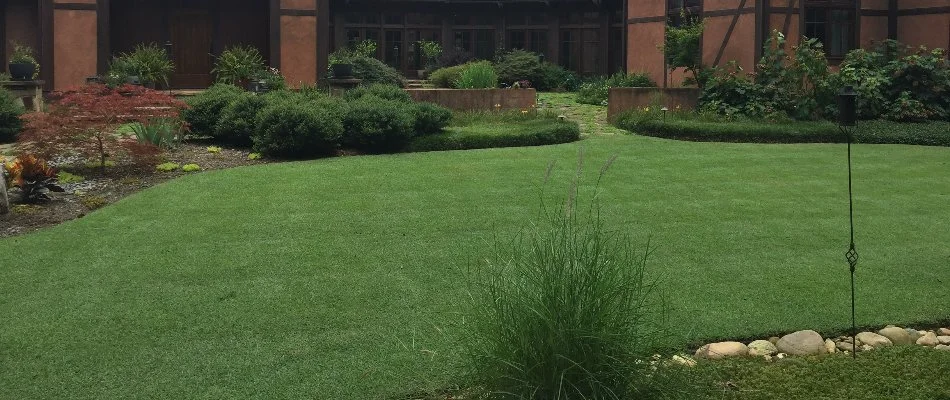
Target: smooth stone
[[942, 347], [929, 339], [716, 351], [830, 346], [944, 331], [943, 339], [762, 348], [844, 346], [773, 339], [866, 347], [914, 334], [802, 343], [896, 335], [874, 340]]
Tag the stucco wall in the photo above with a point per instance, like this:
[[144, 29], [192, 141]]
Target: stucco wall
[[645, 38], [298, 42], [75, 45], [739, 45]]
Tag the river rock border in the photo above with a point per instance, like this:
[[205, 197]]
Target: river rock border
[[811, 343]]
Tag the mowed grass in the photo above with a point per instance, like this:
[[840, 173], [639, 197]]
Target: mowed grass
[[341, 278]]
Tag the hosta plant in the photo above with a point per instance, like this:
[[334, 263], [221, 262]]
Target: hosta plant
[[34, 177]]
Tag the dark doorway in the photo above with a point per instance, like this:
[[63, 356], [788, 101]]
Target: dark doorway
[[191, 38]]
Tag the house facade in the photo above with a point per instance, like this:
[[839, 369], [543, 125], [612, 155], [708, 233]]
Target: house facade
[[75, 39]]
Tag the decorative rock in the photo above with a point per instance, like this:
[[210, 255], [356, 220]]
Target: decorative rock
[[830, 346], [943, 339], [942, 347], [4, 200], [866, 347], [773, 340], [762, 348], [874, 340], [781, 356], [944, 331], [716, 351], [930, 339], [684, 360], [844, 346], [802, 343], [896, 335], [914, 334]]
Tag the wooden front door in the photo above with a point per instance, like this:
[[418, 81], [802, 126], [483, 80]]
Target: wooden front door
[[191, 32]]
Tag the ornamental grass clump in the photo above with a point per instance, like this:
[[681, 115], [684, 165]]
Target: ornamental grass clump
[[563, 311], [479, 75]]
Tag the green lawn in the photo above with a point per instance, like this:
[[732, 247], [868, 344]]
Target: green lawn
[[340, 278]]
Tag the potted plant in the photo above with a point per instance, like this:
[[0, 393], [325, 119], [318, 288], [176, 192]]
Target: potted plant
[[239, 66], [23, 65], [341, 64], [431, 51]]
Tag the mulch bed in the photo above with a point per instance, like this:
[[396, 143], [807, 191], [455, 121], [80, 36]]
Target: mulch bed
[[100, 189]]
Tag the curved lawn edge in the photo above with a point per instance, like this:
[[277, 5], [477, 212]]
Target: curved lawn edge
[[936, 133]]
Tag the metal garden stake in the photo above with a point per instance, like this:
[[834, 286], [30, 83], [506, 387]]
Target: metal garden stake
[[847, 120]]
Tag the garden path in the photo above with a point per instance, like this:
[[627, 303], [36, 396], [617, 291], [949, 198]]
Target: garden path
[[593, 119]]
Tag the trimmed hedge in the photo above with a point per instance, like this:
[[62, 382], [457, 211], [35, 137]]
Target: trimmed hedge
[[532, 132], [10, 122], [292, 128], [748, 131], [378, 125], [239, 119], [204, 110]]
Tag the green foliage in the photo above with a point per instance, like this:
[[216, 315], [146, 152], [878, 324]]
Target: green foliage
[[554, 77], [5, 76], [517, 65], [213, 149], [431, 51], [162, 132], [191, 168], [64, 177], [371, 70], [488, 130], [478, 75], [239, 118], [239, 64], [24, 55], [204, 110], [254, 156], [383, 91], [683, 47], [564, 310], [362, 49], [167, 167], [93, 202], [292, 127], [378, 125], [431, 118], [446, 77], [596, 91], [150, 62], [10, 122]]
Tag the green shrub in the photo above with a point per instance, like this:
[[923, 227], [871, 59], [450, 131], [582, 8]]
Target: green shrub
[[931, 133], [204, 110], [239, 64], [388, 92], [478, 75], [431, 118], [10, 122], [513, 132], [371, 70], [191, 168], [150, 62], [554, 77], [378, 125], [239, 118], [298, 129], [517, 65], [596, 92], [161, 132], [446, 77], [563, 311]]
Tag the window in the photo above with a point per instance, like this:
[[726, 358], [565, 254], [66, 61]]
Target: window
[[832, 23], [679, 11]]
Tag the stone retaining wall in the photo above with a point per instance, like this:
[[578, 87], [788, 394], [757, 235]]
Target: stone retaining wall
[[623, 99], [478, 99]]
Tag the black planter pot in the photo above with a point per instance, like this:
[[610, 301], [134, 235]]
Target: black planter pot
[[342, 71], [22, 71]]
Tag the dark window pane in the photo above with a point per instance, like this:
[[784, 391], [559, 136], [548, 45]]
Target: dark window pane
[[485, 44], [516, 39]]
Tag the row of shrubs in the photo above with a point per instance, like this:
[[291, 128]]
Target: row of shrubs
[[309, 123], [706, 126], [596, 91], [482, 130]]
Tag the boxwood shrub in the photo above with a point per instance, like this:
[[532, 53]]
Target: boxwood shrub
[[384, 91], [378, 125], [204, 110], [239, 119], [10, 123], [431, 118], [288, 127]]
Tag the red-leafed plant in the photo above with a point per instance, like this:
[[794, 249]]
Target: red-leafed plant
[[33, 177], [84, 122]]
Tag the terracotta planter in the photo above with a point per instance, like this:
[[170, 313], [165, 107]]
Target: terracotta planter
[[22, 71]]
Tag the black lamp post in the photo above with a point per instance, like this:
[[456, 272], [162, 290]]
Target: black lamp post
[[847, 120]]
